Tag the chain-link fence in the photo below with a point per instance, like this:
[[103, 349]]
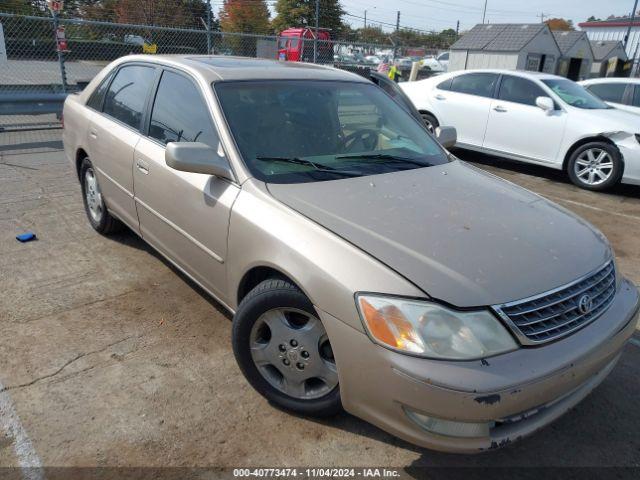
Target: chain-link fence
[[42, 65]]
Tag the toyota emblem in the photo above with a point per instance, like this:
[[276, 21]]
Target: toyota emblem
[[585, 304]]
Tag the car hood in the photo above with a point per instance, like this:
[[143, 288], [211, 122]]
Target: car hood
[[612, 120], [461, 235]]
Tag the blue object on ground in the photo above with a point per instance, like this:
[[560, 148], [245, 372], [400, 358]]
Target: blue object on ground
[[26, 237]]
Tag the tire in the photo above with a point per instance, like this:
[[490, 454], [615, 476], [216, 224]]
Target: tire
[[94, 206], [430, 122], [591, 162], [269, 330]]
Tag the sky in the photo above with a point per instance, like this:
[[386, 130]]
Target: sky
[[441, 14]]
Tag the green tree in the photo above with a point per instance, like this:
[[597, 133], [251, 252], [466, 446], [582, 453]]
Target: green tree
[[300, 13]]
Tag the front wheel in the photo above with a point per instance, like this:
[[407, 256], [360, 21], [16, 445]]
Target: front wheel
[[595, 166], [283, 350]]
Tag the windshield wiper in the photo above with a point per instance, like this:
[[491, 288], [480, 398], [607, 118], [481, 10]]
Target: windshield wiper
[[302, 161], [386, 156]]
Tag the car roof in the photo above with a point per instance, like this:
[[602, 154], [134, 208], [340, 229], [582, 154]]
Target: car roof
[[216, 68], [516, 73], [594, 81]]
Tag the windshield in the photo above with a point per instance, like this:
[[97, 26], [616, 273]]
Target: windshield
[[575, 95], [308, 131]]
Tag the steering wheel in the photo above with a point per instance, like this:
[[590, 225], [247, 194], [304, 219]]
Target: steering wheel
[[367, 137]]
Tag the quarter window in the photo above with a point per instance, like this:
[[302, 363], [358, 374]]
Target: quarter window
[[519, 90], [480, 84], [446, 85], [180, 114], [97, 97], [127, 94], [609, 92]]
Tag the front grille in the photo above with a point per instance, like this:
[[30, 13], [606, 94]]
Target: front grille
[[559, 313]]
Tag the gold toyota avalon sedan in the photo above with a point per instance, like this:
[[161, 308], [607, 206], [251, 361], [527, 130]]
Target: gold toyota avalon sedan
[[367, 268]]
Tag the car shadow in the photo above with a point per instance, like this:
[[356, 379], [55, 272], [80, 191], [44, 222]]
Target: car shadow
[[130, 239], [536, 171]]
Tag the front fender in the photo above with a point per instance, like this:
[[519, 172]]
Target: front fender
[[264, 232]]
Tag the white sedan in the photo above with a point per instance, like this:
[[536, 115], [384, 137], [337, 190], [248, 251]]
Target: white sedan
[[619, 92], [535, 118]]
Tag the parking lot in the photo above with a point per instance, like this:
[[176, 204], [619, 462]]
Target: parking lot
[[110, 357]]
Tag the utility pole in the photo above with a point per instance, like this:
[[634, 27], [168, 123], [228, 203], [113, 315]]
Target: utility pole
[[397, 30], [633, 17], [315, 40], [484, 13], [208, 27], [457, 29], [542, 15], [365, 19]]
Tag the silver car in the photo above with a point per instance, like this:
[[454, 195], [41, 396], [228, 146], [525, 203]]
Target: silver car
[[366, 267]]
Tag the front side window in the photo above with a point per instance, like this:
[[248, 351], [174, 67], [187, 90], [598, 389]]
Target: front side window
[[180, 114], [609, 92], [575, 95], [519, 90], [636, 96], [480, 84], [306, 131], [127, 94]]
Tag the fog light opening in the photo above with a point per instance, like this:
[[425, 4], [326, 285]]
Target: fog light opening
[[449, 428]]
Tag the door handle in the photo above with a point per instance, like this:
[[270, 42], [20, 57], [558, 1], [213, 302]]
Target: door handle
[[142, 166], [440, 97], [93, 134], [500, 109]]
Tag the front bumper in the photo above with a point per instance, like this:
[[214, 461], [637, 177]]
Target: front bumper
[[520, 391], [630, 150]]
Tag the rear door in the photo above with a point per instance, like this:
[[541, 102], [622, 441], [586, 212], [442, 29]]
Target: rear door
[[114, 134], [519, 127], [464, 102], [183, 215]]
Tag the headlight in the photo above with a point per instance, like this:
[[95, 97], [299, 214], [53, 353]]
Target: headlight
[[430, 330]]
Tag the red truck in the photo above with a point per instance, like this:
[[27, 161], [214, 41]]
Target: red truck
[[296, 45]]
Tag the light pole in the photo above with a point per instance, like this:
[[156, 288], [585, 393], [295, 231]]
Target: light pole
[[315, 40], [484, 12]]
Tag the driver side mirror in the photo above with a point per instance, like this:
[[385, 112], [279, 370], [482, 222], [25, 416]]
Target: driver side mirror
[[196, 157], [446, 136], [546, 104]]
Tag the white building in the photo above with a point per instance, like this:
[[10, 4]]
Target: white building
[[615, 29]]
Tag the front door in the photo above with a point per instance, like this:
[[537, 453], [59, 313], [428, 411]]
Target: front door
[[519, 127], [184, 215]]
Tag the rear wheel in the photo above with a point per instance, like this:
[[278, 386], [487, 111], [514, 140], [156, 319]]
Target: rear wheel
[[595, 166], [283, 349], [99, 217], [430, 122]]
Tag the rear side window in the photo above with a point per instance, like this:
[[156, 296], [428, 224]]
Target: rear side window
[[180, 114], [609, 92], [519, 90], [480, 84], [127, 94], [97, 97]]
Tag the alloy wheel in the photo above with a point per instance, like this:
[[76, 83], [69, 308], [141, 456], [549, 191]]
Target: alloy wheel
[[428, 124], [594, 166], [93, 195], [291, 350]]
